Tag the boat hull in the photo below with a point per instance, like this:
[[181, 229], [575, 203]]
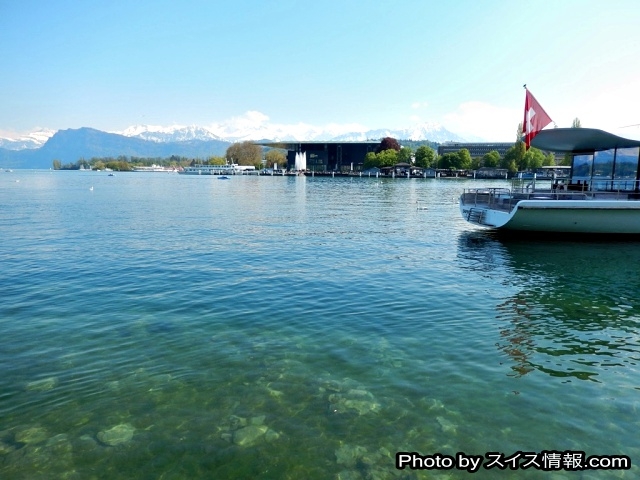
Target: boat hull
[[581, 216]]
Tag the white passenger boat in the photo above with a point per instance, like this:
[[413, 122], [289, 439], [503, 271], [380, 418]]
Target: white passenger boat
[[601, 196], [209, 170], [155, 168], [228, 169]]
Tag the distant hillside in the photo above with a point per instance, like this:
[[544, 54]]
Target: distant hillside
[[71, 145], [432, 132]]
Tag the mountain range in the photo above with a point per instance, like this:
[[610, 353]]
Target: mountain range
[[39, 149]]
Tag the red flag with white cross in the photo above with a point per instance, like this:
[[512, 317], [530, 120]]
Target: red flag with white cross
[[535, 118]]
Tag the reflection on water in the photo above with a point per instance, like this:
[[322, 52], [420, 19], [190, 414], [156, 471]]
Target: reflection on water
[[573, 309]]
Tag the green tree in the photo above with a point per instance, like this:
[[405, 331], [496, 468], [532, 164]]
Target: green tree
[[533, 159], [491, 159], [388, 158], [371, 160], [576, 123], [176, 160], [549, 160], [519, 133], [57, 164], [118, 165], [404, 155], [516, 155], [216, 160], [244, 153], [275, 156], [425, 157], [448, 161], [82, 163], [464, 159]]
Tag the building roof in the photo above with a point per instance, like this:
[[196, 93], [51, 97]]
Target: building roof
[[579, 140], [288, 144]]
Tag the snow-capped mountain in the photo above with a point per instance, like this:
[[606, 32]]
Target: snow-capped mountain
[[425, 131], [241, 129], [296, 132], [27, 142], [175, 133]]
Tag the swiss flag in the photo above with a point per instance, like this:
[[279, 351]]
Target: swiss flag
[[535, 118]]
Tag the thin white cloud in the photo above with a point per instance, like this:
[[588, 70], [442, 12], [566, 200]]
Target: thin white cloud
[[611, 109], [255, 125], [251, 118], [417, 105], [9, 133]]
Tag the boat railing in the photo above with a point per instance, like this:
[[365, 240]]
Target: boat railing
[[505, 199], [495, 198], [618, 189]]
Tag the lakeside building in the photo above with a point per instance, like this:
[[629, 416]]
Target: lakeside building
[[324, 156], [476, 149], [479, 149]]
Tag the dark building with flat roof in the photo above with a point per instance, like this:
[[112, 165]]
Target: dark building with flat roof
[[475, 149], [326, 156]]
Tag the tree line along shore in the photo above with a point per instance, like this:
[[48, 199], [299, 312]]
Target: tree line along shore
[[389, 152]]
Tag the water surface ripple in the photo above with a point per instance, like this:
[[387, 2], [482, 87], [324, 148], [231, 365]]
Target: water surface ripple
[[165, 326]]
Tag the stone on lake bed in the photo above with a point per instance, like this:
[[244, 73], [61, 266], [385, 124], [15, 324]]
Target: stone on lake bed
[[42, 385], [86, 443], [359, 392], [6, 448], [271, 435], [447, 426], [115, 436], [355, 400], [349, 455], [275, 393], [236, 422], [31, 435], [259, 420], [249, 435]]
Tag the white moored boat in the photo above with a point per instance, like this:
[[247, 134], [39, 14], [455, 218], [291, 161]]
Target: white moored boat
[[155, 168], [209, 170], [228, 169], [602, 195]]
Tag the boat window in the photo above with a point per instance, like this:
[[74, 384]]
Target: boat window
[[626, 168], [582, 167], [603, 164]]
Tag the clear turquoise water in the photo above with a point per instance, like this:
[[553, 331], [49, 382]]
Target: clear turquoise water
[[168, 327]]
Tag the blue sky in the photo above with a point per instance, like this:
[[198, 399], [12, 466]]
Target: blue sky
[[373, 64]]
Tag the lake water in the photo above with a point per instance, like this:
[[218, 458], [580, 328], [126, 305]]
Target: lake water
[[164, 326]]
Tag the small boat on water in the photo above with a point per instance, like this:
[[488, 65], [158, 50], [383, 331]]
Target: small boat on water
[[601, 195]]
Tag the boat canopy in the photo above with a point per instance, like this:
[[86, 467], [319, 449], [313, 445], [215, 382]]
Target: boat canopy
[[578, 140]]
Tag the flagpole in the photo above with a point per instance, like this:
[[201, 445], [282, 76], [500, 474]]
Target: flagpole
[[524, 124]]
